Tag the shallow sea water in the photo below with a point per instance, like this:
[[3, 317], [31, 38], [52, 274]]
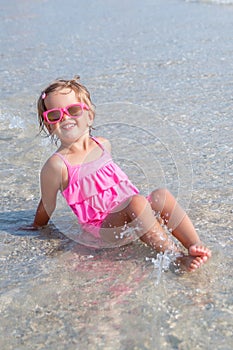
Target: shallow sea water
[[160, 74]]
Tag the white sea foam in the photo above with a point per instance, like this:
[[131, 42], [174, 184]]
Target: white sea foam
[[11, 121], [16, 122]]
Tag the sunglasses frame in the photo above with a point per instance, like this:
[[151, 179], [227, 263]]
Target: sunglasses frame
[[64, 111]]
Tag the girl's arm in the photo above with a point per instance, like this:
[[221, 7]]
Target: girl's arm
[[50, 182], [50, 179], [41, 217]]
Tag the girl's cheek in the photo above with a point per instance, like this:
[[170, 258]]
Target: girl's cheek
[[51, 128]]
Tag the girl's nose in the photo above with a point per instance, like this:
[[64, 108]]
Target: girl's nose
[[64, 116]]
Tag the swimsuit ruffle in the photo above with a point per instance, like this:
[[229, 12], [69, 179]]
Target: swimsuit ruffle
[[94, 195]]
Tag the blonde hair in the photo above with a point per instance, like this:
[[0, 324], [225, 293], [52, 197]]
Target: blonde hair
[[80, 90]]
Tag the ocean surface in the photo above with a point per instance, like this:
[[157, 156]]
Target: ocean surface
[[161, 76]]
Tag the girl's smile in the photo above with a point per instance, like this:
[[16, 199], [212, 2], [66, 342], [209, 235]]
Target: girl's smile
[[68, 125]]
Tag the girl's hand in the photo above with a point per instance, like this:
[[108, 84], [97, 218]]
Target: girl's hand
[[29, 228]]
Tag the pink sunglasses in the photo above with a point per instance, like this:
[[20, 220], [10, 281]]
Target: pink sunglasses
[[55, 115]]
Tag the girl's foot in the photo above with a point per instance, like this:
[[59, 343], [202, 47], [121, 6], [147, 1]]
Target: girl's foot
[[198, 255], [199, 250]]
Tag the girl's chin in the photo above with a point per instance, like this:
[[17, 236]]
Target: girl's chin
[[70, 137]]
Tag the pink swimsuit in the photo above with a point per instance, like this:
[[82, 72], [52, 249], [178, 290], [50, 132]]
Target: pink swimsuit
[[95, 189]]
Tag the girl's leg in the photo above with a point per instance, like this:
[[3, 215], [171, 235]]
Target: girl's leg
[[136, 213], [177, 220], [174, 217]]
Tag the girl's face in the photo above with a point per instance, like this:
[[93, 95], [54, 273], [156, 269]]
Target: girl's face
[[69, 129]]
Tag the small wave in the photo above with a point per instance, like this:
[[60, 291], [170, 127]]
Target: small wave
[[218, 2]]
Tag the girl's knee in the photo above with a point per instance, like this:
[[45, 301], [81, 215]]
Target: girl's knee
[[159, 197], [160, 194], [138, 198]]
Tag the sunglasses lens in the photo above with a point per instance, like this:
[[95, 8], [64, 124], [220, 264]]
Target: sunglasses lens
[[75, 111], [54, 116]]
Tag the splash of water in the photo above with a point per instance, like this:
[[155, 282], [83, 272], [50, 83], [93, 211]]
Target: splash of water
[[162, 263]]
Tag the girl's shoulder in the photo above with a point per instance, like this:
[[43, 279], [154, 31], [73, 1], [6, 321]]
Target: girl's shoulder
[[104, 142], [52, 164], [53, 174]]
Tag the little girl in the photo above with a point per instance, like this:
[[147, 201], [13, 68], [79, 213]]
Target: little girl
[[100, 194]]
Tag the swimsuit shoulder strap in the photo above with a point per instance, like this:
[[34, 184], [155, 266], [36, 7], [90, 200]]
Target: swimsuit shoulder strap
[[98, 143], [70, 169], [64, 159]]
